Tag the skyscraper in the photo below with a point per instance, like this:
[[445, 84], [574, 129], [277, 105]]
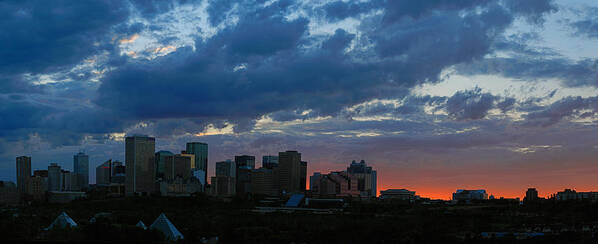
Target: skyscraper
[[303, 176], [191, 159], [160, 162], [531, 195], [140, 163], [289, 165], [245, 161], [179, 166], [104, 173], [81, 169], [269, 161], [23, 174], [245, 164], [69, 181], [224, 183], [118, 173], [226, 168], [200, 150], [263, 182], [366, 178], [54, 177]]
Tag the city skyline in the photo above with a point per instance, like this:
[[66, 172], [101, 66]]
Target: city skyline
[[436, 95], [445, 193]]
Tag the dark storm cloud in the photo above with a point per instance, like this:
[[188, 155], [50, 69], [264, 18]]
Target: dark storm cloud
[[40, 36], [470, 105], [568, 107], [59, 121], [507, 104], [264, 63], [572, 73]]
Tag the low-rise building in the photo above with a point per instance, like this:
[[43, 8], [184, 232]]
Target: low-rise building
[[334, 184], [398, 194], [569, 194], [468, 195]]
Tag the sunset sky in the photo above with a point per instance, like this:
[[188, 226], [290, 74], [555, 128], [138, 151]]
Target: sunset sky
[[436, 95]]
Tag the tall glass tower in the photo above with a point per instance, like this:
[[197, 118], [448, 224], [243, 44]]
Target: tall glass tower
[[81, 168], [140, 163], [200, 150]]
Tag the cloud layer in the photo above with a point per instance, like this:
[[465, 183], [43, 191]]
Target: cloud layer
[[321, 76]]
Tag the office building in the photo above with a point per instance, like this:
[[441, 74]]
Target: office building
[[289, 166], [531, 195], [313, 179], [468, 195], [264, 182], [245, 164], [193, 171], [226, 168], [54, 177], [178, 167], [41, 173], [191, 158], [245, 161], [200, 150], [104, 173], [334, 184], [70, 181], [366, 178], [569, 195], [303, 176], [269, 161], [81, 169], [38, 186], [224, 183], [223, 186], [118, 173], [140, 162], [160, 158], [23, 174]]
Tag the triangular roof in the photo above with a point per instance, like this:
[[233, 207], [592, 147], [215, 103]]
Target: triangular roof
[[62, 221], [140, 224], [166, 227]]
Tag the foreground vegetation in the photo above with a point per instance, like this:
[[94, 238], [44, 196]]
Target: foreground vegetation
[[235, 222]]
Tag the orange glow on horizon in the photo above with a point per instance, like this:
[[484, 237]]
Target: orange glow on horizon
[[441, 181]]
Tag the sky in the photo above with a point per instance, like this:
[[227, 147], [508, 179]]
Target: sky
[[436, 95]]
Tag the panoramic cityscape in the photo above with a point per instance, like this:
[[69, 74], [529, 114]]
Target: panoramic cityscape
[[147, 172], [299, 121], [279, 185]]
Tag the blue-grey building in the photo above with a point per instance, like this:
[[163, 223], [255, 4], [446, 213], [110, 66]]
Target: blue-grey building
[[81, 168], [161, 158], [269, 161], [140, 162], [200, 150]]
